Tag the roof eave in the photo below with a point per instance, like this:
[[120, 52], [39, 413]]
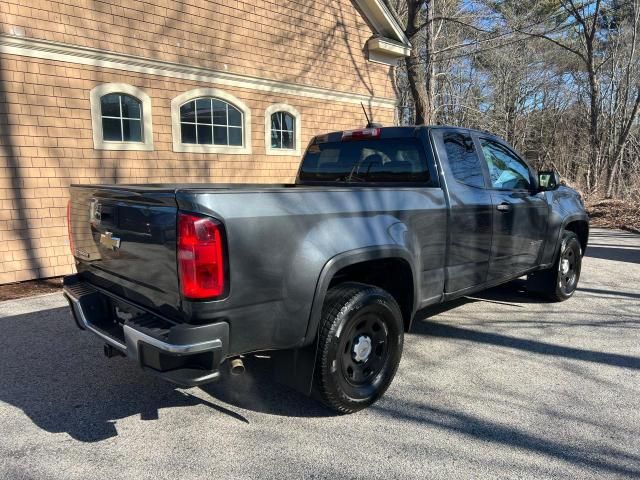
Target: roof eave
[[384, 23]]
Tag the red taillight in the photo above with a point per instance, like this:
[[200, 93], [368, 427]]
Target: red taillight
[[200, 257], [361, 134], [69, 231]]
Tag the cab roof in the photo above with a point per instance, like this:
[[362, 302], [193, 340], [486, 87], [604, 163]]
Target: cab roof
[[390, 132]]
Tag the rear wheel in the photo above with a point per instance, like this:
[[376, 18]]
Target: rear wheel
[[560, 281], [360, 346]]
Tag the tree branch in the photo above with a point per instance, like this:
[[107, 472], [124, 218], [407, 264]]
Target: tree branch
[[556, 42]]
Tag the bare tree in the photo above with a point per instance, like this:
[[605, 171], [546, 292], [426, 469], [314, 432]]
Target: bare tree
[[557, 78]]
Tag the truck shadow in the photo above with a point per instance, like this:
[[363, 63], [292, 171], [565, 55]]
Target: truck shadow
[[58, 376], [257, 390]]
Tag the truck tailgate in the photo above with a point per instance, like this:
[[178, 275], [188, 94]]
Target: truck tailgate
[[124, 240]]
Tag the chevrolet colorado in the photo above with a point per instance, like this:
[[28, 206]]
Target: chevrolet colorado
[[327, 273]]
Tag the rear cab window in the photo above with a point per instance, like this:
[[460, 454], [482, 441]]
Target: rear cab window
[[379, 159], [463, 158]]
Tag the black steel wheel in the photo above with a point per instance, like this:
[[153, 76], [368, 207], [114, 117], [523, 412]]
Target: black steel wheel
[[560, 281], [360, 345], [569, 268]]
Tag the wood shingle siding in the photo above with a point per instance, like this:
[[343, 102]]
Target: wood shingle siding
[[46, 136]]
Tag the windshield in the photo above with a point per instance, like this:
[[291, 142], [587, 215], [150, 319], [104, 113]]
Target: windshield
[[374, 160]]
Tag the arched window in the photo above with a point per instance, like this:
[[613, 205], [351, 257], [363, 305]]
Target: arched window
[[121, 117], [283, 133], [282, 130], [210, 120]]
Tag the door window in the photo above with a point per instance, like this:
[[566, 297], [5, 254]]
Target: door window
[[463, 159], [507, 172]]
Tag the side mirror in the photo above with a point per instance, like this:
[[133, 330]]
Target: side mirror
[[548, 180]]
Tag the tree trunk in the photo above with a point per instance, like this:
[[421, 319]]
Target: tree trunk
[[418, 89], [594, 117], [420, 75], [429, 117]]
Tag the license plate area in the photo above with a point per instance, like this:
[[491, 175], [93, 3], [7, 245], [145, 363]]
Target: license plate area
[[112, 315]]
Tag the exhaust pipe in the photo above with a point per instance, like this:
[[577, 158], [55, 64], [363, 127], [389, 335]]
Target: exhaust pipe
[[236, 366]]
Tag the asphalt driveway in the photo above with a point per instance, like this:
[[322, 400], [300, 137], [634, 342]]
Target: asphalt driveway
[[500, 386]]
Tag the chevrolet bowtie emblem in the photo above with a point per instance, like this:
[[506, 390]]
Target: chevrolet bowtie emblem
[[108, 240]]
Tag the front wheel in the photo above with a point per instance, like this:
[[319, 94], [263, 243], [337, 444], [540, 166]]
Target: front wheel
[[360, 345], [560, 281]]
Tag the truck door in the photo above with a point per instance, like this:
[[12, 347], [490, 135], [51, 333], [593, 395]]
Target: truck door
[[520, 213], [470, 209]]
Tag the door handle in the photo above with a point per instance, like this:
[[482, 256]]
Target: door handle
[[504, 207]]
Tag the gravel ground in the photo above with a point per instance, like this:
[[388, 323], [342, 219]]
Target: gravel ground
[[503, 385]]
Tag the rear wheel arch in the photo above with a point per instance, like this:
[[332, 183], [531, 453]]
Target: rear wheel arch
[[393, 275], [389, 268]]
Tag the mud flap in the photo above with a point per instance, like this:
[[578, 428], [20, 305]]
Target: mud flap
[[295, 367]]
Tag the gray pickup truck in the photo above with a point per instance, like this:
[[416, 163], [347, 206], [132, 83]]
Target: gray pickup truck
[[325, 274]]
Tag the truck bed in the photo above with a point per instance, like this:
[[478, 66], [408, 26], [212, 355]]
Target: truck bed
[[272, 232]]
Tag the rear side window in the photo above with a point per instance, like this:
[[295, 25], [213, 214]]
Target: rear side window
[[463, 159], [375, 160]]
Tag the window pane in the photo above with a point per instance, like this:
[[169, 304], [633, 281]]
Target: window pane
[[188, 112], [235, 136], [276, 137], [219, 112], [111, 130], [204, 135], [235, 117], [188, 133], [132, 130], [288, 121], [110, 105], [203, 108], [463, 159], [287, 139], [276, 124], [130, 107], [505, 170], [220, 135], [379, 160]]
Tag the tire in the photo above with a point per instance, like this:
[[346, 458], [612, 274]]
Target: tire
[[360, 344], [559, 282]]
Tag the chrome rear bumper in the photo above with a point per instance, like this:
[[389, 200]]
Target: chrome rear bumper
[[184, 354]]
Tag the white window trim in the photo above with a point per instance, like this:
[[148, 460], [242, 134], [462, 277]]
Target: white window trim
[[282, 107], [96, 117], [178, 146]]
